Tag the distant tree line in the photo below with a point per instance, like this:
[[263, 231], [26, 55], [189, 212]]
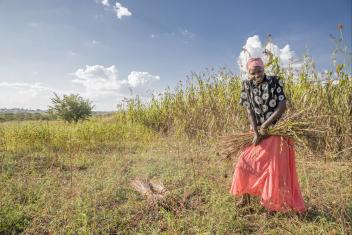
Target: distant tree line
[[70, 108], [23, 116]]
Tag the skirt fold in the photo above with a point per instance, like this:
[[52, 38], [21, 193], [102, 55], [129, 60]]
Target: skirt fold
[[268, 170]]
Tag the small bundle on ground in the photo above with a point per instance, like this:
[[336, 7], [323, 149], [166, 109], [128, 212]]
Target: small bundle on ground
[[153, 190]]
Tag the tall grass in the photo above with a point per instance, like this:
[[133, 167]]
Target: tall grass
[[208, 106]]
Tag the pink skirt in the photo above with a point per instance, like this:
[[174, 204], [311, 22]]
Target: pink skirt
[[268, 170]]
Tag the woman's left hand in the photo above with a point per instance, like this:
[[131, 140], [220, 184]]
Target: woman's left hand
[[263, 131]]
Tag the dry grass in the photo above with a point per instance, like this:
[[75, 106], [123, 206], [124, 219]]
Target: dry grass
[[92, 193], [299, 126], [208, 107]]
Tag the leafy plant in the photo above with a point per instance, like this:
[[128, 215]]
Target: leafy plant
[[71, 108]]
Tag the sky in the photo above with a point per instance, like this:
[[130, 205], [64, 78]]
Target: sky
[[108, 50]]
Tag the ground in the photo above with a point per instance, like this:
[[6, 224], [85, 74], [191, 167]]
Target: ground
[[91, 192]]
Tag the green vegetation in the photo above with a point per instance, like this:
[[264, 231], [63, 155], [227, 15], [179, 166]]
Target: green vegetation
[[209, 107], [24, 116], [71, 108], [79, 189]]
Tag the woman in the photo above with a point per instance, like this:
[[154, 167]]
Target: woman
[[267, 168]]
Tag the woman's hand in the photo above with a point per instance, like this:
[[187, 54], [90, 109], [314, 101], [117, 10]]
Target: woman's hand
[[256, 139], [263, 131]]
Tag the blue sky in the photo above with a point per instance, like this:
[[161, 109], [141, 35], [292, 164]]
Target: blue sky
[[84, 46]]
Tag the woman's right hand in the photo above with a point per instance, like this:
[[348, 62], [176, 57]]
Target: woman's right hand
[[256, 139]]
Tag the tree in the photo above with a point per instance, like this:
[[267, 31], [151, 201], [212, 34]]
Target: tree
[[71, 107]]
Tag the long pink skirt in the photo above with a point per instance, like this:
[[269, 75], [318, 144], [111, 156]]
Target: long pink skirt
[[268, 170]]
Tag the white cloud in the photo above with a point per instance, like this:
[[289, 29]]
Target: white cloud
[[286, 55], [121, 10], [182, 35], [35, 86], [105, 3], [98, 80], [25, 95], [140, 83], [136, 79], [253, 48], [274, 49], [101, 82]]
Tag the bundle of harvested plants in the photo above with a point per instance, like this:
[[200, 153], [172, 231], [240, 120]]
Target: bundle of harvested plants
[[299, 126]]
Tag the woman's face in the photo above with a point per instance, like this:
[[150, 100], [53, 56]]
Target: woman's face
[[256, 73]]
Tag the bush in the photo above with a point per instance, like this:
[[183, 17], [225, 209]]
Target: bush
[[71, 107]]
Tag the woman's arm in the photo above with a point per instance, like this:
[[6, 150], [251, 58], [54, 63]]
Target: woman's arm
[[276, 114], [253, 123], [250, 113], [280, 109]]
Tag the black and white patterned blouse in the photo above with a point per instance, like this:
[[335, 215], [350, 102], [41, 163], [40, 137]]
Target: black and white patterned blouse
[[262, 98]]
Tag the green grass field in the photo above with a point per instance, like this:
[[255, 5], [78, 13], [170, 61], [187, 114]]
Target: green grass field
[[84, 189]]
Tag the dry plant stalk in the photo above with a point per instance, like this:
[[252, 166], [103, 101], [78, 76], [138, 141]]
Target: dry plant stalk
[[298, 126], [152, 190]]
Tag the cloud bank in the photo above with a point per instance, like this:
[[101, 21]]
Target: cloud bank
[[98, 83], [254, 48], [25, 95], [103, 85]]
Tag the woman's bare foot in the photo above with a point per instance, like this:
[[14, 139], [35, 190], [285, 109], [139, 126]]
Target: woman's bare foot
[[245, 200]]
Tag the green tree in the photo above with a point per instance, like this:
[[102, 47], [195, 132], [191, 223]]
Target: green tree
[[71, 107]]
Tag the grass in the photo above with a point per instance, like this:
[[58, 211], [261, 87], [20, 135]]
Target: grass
[[96, 135], [91, 193]]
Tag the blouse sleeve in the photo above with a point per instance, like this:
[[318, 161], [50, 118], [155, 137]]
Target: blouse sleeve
[[244, 95], [279, 90]]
